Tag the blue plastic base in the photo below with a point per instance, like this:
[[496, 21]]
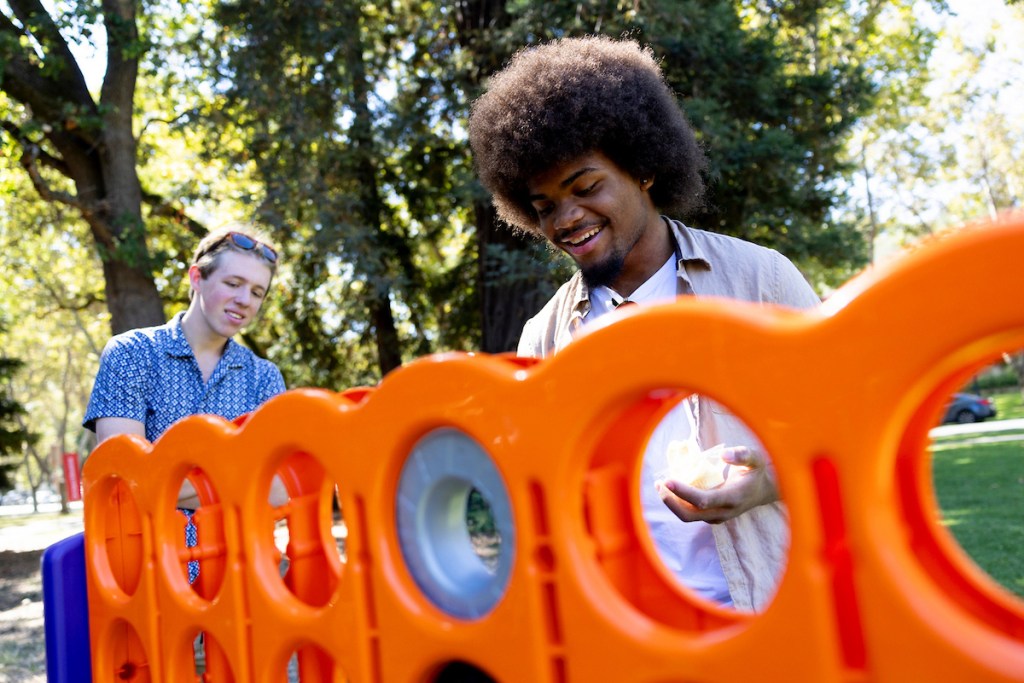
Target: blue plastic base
[[66, 612]]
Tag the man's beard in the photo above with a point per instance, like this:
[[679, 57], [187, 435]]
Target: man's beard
[[603, 274]]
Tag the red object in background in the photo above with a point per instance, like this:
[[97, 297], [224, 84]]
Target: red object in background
[[73, 476]]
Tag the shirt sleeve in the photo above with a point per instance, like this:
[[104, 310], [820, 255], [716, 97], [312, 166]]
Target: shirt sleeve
[[792, 288], [122, 383], [542, 333], [529, 340]]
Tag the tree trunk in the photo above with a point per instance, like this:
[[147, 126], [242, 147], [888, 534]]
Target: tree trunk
[[132, 298], [376, 265], [91, 145], [507, 302], [1016, 361]]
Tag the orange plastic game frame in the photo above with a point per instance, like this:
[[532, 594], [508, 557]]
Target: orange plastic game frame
[[842, 397]]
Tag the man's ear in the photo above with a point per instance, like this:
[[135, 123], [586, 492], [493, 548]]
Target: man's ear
[[194, 276]]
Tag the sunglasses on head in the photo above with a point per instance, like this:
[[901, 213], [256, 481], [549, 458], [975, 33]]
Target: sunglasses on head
[[246, 243]]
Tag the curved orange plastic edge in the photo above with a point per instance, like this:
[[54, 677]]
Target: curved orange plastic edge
[[842, 397]]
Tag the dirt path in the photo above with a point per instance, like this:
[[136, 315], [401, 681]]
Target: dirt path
[[23, 538], [22, 638]]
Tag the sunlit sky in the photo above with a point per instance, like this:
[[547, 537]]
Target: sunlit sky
[[976, 22]]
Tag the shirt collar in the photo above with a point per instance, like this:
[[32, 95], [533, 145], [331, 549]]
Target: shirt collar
[[580, 302], [177, 346], [687, 251]]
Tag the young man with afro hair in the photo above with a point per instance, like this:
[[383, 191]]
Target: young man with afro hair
[[581, 141]]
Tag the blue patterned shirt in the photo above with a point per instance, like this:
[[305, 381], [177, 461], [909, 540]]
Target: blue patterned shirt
[[151, 375]]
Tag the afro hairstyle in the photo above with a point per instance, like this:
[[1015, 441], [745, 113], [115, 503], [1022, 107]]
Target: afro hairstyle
[[558, 101]]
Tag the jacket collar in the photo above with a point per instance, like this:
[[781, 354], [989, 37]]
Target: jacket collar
[[688, 251]]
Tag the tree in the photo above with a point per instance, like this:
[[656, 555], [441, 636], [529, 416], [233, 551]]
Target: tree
[[342, 126], [943, 146], [13, 437], [80, 151], [373, 169], [50, 291], [322, 165], [513, 272]]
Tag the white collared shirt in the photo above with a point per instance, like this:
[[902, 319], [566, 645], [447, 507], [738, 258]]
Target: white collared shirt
[[659, 288], [686, 548], [751, 547]]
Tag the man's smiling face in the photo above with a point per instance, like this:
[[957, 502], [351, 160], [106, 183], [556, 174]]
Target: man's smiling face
[[231, 296], [598, 214]]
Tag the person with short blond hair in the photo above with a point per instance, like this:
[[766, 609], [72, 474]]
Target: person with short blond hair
[[149, 378]]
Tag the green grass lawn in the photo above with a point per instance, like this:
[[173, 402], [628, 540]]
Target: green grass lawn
[[980, 487], [18, 520], [1009, 405]]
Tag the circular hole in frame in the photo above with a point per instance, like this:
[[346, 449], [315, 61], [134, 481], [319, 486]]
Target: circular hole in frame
[[197, 531], [205, 660], [675, 435], [122, 548], [461, 672], [688, 445], [976, 445], [309, 532], [312, 663], [447, 485], [121, 655]]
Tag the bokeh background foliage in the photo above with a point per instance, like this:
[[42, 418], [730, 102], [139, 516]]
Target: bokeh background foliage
[[128, 129]]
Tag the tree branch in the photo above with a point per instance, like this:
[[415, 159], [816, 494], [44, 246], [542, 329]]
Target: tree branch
[[55, 91], [89, 210], [168, 122], [38, 21], [158, 206], [29, 155], [123, 50], [42, 155], [61, 302]]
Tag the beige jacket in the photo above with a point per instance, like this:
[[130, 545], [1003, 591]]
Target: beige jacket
[[752, 547]]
